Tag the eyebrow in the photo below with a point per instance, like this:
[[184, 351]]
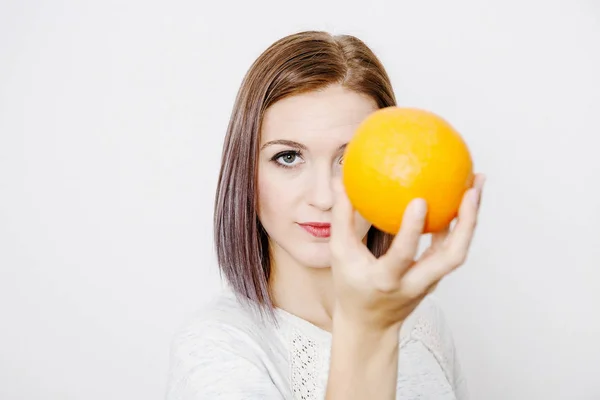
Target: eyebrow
[[292, 143]]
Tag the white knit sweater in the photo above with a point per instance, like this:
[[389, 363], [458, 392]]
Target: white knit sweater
[[225, 352]]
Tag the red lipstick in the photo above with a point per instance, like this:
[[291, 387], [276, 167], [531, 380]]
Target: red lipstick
[[317, 229]]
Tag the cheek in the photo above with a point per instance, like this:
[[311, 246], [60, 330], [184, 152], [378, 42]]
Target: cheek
[[275, 197]]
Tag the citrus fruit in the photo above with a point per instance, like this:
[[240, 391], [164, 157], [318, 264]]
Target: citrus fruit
[[398, 154]]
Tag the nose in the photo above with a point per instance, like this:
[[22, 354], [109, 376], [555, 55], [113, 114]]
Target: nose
[[320, 191]]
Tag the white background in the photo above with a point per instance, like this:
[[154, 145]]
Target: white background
[[112, 116]]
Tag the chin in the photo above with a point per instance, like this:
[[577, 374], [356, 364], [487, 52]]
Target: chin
[[315, 255]]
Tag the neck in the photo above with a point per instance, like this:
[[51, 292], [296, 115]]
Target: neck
[[302, 291]]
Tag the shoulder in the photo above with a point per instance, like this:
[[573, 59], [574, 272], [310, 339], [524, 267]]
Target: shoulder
[[221, 350], [223, 316], [223, 323], [428, 325], [429, 312]]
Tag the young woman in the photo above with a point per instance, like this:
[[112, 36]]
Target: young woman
[[320, 304]]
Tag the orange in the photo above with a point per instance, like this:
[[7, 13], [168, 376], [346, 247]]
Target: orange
[[398, 154]]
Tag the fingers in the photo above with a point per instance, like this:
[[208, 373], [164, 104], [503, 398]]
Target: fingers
[[343, 237], [404, 247], [478, 183], [438, 238], [451, 252], [459, 240], [432, 288], [437, 241], [425, 275]]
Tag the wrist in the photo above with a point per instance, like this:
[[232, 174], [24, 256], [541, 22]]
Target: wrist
[[364, 360], [366, 334], [362, 326]]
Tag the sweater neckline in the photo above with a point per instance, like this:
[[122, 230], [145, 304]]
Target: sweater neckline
[[305, 327]]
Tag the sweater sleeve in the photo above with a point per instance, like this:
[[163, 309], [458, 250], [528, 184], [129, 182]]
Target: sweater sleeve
[[210, 362], [432, 329]]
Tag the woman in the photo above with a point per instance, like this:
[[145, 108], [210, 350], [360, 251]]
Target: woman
[[320, 303]]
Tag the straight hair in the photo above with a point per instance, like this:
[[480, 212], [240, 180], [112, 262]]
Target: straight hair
[[296, 64]]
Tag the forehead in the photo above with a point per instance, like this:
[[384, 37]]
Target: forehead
[[332, 113]]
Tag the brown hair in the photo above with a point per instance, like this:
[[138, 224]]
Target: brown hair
[[295, 64]]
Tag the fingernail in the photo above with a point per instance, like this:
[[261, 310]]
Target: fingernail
[[481, 182], [419, 207]]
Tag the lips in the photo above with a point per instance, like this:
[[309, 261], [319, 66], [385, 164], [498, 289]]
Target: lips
[[317, 229]]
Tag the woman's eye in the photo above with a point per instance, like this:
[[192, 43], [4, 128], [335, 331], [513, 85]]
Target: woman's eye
[[288, 159]]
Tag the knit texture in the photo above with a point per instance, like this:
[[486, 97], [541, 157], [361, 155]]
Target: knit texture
[[226, 351]]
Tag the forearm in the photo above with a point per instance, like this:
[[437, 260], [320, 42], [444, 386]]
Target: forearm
[[364, 363]]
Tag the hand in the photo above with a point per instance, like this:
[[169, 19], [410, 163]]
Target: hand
[[378, 294]]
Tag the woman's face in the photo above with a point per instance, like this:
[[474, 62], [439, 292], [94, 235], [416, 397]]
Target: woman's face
[[301, 146]]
